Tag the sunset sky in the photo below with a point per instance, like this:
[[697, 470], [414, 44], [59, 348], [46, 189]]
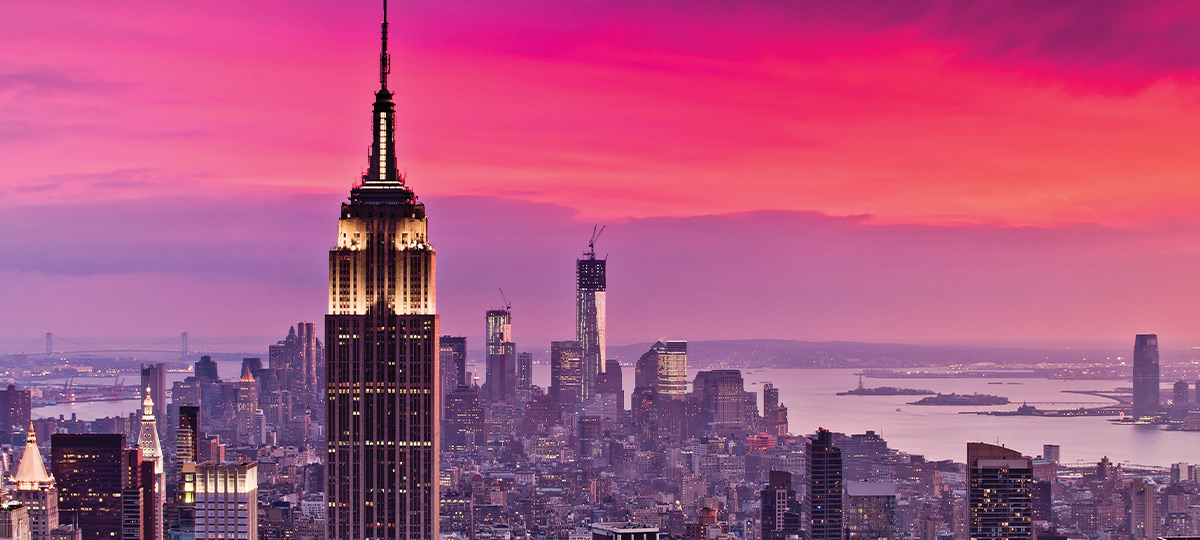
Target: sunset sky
[[915, 172]]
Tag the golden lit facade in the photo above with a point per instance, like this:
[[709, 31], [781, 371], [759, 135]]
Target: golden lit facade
[[382, 373]]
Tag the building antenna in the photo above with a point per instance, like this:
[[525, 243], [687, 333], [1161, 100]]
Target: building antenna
[[385, 59]]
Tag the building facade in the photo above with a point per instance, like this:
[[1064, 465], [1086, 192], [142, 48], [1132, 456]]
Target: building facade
[[1145, 375], [225, 499]]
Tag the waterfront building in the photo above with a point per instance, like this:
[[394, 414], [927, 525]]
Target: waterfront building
[[870, 511], [781, 514], [999, 493], [1145, 375], [382, 383], [590, 307], [664, 369], [566, 372], [824, 503], [225, 498], [35, 490], [1180, 394]]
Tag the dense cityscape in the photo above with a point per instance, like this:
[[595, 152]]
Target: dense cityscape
[[374, 424]]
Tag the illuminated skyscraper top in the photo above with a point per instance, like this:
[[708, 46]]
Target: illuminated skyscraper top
[[381, 338]]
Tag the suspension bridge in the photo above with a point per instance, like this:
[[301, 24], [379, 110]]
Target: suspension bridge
[[58, 346]]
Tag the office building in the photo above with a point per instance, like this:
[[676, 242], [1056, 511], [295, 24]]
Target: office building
[[155, 482], [14, 521], [999, 493], [1143, 512], [225, 498], [566, 372], [14, 410], [456, 346], [664, 369], [1051, 453], [1145, 375], [524, 374], [501, 356], [775, 420], [869, 511], [781, 511], [205, 369], [463, 426], [154, 377], [92, 472], [611, 381], [382, 381], [34, 489], [1179, 396], [722, 396], [824, 503], [590, 287]]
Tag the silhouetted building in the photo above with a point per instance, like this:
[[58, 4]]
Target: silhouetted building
[[524, 373], [999, 493], [1180, 394], [1145, 375], [590, 298], [870, 511], [566, 372], [382, 383], [206, 369], [781, 512], [824, 501]]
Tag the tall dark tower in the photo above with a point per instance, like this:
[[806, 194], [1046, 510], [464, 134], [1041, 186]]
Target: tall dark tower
[[999, 493], [381, 334], [590, 285], [1145, 375], [824, 487]]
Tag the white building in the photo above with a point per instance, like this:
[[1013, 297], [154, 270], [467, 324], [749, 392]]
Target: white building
[[225, 496]]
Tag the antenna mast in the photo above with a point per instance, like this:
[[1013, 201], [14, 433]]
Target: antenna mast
[[385, 59]]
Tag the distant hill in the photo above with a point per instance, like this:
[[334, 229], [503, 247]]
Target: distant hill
[[817, 354]]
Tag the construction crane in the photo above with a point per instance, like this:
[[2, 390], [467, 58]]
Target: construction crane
[[507, 305], [597, 230]]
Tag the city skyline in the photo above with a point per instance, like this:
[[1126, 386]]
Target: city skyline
[[961, 213]]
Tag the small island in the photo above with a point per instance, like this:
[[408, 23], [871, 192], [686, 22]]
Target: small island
[[962, 399], [884, 391]]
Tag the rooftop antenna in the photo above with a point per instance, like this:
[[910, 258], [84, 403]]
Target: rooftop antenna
[[597, 230], [385, 59]]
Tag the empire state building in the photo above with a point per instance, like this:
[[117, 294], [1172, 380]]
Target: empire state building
[[381, 336]]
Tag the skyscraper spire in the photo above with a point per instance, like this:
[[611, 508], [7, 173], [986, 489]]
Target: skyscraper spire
[[31, 472], [383, 179], [385, 59]]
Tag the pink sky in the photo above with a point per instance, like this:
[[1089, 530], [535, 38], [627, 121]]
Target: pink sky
[[1021, 170]]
